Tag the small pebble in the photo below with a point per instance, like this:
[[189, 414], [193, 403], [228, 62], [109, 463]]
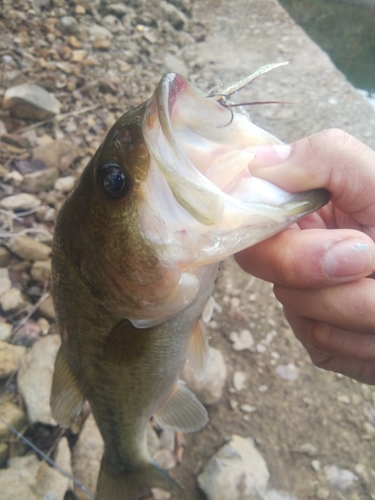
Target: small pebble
[[239, 381]]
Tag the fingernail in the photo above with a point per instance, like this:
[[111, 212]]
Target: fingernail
[[282, 151], [269, 156], [348, 258]]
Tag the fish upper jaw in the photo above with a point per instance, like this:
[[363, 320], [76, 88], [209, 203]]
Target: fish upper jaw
[[200, 203]]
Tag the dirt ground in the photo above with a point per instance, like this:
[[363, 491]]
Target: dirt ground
[[336, 415]]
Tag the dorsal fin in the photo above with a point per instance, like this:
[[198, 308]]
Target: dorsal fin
[[182, 411], [66, 396]]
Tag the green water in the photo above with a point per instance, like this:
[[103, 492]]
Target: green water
[[345, 31]]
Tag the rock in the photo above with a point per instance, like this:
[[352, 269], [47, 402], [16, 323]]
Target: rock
[[239, 381], [308, 449], [51, 484], [210, 388], [101, 43], [279, 495], [160, 494], [35, 378], [57, 154], [13, 415], [47, 309], [153, 442], [4, 450], [68, 25], [29, 249], [5, 330], [41, 270], [13, 299], [177, 19], [31, 102], [165, 459], [341, 479], [78, 55], [118, 9], [87, 455], [18, 481], [96, 31], [167, 440], [65, 184], [4, 257], [10, 358], [5, 283], [39, 181], [22, 201], [237, 472], [241, 341], [246, 408], [176, 65], [288, 372]]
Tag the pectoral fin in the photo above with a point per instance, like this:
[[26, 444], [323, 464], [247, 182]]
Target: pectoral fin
[[182, 411], [66, 396], [198, 349]]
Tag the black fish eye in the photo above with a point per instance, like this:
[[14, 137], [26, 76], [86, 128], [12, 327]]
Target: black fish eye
[[112, 181]]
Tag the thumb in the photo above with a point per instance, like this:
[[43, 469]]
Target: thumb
[[331, 159]]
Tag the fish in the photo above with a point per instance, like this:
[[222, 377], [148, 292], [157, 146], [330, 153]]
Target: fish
[[166, 197]]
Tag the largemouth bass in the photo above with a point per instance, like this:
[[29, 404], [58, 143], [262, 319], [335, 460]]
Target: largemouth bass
[[167, 196]]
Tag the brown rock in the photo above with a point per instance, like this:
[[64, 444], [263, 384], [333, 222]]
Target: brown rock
[[40, 181], [29, 249], [31, 102], [10, 358], [41, 270], [57, 154], [101, 43], [47, 309]]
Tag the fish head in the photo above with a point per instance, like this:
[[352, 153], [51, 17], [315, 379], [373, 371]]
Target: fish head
[[167, 196]]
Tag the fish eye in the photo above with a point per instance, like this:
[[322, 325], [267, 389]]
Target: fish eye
[[112, 181]]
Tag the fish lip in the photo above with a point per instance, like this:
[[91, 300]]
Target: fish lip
[[209, 209]]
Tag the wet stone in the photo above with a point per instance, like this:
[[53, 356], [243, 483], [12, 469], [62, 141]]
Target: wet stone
[[29, 249], [35, 378], [31, 102], [341, 479], [10, 358]]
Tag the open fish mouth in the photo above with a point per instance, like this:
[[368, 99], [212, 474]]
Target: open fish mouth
[[200, 193]]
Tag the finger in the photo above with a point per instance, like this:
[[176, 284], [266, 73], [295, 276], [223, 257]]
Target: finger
[[349, 306], [336, 349], [310, 258], [331, 159]]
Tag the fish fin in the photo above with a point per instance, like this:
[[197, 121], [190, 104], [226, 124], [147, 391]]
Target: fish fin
[[182, 411], [66, 396], [131, 484], [198, 349], [208, 310]]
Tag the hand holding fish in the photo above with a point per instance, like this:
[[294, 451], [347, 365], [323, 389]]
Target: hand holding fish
[[323, 267]]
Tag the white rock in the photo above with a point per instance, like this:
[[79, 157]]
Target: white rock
[[12, 299], [35, 378], [247, 408], [288, 372], [5, 330], [96, 31], [65, 184], [18, 482], [236, 472], [10, 358], [210, 388], [87, 455], [239, 381], [308, 449], [51, 484], [342, 479], [165, 459], [5, 283], [241, 341], [22, 201], [31, 102], [279, 495], [160, 494]]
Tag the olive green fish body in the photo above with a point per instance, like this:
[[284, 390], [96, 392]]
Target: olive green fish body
[[166, 197]]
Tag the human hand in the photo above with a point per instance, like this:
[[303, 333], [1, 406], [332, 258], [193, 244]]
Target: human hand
[[323, 267]]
